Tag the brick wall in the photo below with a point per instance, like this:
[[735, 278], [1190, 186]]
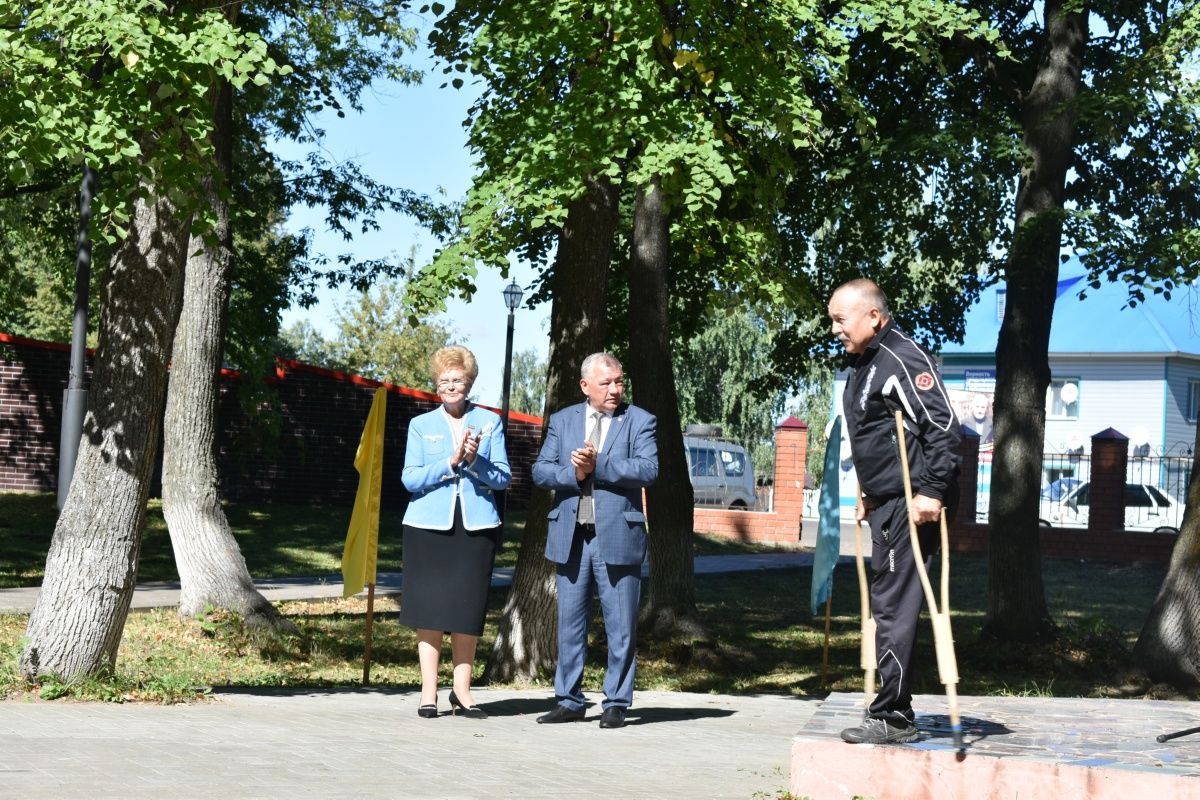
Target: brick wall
[[1120, 546], [298, 448], [781, 525], [33, 376]]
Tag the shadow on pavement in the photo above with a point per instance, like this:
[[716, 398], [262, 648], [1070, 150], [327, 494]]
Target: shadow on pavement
[[313, 691], [649, 716], [937, 726]]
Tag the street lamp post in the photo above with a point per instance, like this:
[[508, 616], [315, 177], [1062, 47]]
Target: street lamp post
[[75, 396], [512, 299]]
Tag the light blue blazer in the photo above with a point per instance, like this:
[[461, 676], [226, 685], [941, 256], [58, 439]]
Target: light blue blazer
[[627, 464], [435, 485]]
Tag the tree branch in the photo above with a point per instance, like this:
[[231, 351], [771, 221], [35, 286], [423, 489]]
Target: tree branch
[[7, 193], [994, 69]]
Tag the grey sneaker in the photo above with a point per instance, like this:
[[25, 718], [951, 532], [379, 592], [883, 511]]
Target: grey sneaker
[[878, 731]]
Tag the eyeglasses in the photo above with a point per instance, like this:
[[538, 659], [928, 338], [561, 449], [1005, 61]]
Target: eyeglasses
[[446, 383]]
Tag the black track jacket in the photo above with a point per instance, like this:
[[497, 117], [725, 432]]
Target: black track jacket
[[895, 373]]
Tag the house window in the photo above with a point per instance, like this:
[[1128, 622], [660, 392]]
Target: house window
[[1062, 398], [1193, 405]]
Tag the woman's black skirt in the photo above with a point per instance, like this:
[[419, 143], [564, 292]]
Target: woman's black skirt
[[446, 577]]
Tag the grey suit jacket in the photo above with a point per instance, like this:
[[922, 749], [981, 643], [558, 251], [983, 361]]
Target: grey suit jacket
[[627, 464]]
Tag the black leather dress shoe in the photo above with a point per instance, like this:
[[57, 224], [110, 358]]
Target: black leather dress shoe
[[561, 714], [613, 717]]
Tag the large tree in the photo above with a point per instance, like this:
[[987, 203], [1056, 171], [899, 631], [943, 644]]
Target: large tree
[[1168, 648], [709, 102], [1016, 596], [140, 112], [526, 642], [1092, 112], [1168, 645], [670, 608], [1106, 141], [333, 50]]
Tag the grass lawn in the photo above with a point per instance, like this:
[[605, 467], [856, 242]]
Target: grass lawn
[[277, 540], [762, 638]]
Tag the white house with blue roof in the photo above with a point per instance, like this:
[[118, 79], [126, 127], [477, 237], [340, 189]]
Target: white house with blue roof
[[1134, 369]]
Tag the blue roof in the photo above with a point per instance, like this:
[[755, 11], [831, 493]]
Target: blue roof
[[1100, 323]]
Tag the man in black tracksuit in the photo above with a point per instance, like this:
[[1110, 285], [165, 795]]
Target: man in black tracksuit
[[890, 372]]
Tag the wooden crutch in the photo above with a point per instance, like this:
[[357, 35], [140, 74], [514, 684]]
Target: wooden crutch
[[943, 635], [866, 650]]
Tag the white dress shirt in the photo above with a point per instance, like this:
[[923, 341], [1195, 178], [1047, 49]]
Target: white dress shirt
[[589, 419]]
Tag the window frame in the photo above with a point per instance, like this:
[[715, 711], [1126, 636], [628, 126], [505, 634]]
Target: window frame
[[1192, 412], [1053, 392]]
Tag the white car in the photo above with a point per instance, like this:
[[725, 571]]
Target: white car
[[1147, 508]]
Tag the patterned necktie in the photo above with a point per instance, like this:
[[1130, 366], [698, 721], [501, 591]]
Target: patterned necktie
[[587, 510]]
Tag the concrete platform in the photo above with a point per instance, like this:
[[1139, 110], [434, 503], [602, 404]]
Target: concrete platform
[[1017, 748]]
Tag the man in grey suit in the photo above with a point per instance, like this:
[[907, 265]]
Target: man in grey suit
[[597, 457]]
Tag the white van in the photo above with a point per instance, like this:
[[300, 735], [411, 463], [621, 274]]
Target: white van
[[721, 471]]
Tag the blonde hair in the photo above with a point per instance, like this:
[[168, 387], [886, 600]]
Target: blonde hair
[[454, 357]]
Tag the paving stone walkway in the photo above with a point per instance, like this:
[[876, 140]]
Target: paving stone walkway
[[363, 743]]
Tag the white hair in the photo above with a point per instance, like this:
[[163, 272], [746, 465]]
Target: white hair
[[608, 359]]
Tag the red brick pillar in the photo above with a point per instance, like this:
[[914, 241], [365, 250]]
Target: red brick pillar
[[968, 478], [1110, 454], [791, 449]]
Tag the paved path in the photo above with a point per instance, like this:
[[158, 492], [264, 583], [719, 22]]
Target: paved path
[[363, 743], [164, 594]]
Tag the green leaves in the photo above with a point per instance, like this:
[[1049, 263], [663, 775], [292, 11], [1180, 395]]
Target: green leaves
[[724, 105], [120, 84]]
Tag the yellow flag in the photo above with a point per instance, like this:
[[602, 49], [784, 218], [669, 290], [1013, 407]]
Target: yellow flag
[[362, 540]]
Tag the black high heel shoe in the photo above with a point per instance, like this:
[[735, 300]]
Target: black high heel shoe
[[427, 711], [470, 712]]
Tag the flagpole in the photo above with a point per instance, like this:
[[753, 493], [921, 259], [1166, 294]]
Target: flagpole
[[362, 537], [370, 628], [825, 655]]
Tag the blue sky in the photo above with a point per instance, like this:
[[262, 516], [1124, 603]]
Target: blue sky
[[412, 137]]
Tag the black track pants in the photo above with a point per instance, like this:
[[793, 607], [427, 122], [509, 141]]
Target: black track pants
[[896, 599]]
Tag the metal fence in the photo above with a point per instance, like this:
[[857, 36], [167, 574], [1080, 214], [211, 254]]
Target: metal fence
[[1155, 488]]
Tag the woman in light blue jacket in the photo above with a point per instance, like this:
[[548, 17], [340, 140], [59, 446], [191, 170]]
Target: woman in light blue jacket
[[454, 464]]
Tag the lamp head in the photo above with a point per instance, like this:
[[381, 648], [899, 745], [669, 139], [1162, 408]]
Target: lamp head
[[512, 295]]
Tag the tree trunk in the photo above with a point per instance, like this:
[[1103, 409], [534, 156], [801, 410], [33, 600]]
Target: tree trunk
[[211, 568], [76, 624], [1169, 645], [670, 608], [527, 642], [1016, 596]]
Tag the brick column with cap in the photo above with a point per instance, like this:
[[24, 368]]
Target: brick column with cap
[[1106, 492], [791, 450]]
